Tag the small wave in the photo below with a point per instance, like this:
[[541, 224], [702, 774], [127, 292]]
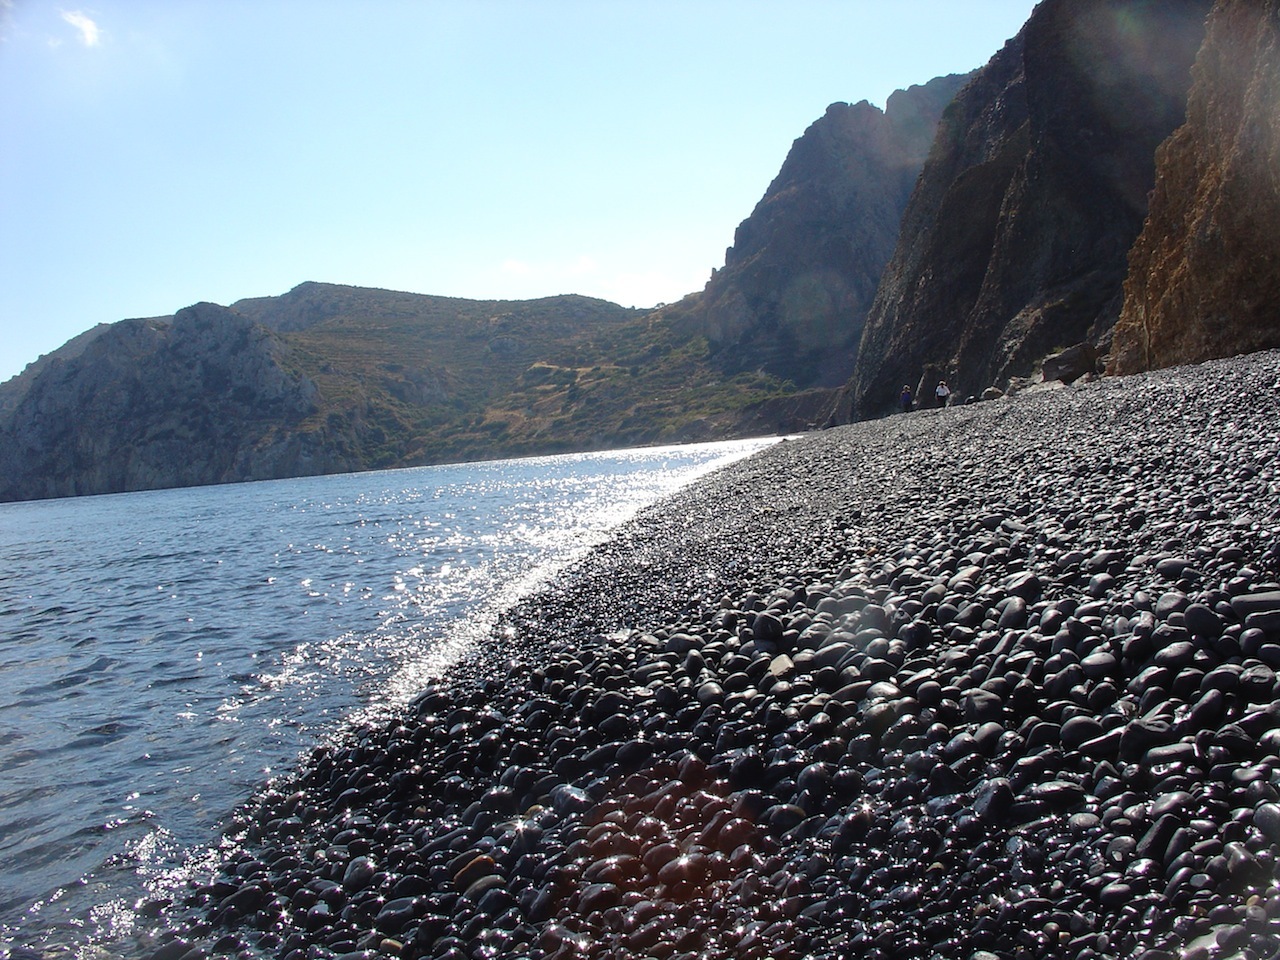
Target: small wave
[[161, 683], [112, 728], [20, 758], [99, 665]]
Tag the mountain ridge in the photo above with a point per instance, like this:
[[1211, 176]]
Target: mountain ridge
[[400, 379], [331, 378], [1083, 197]]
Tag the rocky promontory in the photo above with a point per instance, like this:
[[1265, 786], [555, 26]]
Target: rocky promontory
[[994, 681], [803, 269], [205, 396]]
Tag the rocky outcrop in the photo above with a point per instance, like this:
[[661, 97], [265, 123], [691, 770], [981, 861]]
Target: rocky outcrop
[[14, 389], [1204, 277], [1071, 364], [1015, 241], [303, 307], [803, 268], [206, 397]]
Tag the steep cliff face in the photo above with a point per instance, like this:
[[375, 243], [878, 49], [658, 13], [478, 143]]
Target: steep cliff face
[[803, 268], [1016, 237], [202, 398], [13, 390], [1204, 277]]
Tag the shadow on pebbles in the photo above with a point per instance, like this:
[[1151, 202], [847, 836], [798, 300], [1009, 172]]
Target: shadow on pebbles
[[992, 681]]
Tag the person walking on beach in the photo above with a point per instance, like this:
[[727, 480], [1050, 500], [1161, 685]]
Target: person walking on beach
[[905, 398], [943, 393]]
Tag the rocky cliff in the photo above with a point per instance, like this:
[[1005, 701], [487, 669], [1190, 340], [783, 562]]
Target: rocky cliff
[[204, 397], [803, 268], [1015, 240], [13, 390], [1204, 277]]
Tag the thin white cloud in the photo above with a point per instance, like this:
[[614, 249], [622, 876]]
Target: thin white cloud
[[90, 35], [518, 268]]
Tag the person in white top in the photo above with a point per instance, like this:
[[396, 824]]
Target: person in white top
[[943, 393]]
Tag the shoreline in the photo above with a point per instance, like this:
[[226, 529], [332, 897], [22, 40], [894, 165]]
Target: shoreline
[[994, 680]]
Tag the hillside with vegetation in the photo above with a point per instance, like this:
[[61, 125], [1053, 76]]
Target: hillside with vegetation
[[330, 378], [434, 379]]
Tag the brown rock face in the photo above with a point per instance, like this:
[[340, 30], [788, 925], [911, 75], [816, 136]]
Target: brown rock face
[[1015, 241], [1204, 277], [803, 267]]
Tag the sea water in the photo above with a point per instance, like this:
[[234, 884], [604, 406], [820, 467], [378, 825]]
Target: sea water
[[164, 654]]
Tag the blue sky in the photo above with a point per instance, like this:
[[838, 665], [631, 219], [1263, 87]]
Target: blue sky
[[156, 153]]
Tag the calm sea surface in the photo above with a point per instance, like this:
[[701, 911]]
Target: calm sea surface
[[163, 654]]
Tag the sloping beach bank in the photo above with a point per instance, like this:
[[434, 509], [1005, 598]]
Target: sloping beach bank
[[998, 678]]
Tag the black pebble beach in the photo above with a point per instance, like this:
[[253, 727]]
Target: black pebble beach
[[995, 681]]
